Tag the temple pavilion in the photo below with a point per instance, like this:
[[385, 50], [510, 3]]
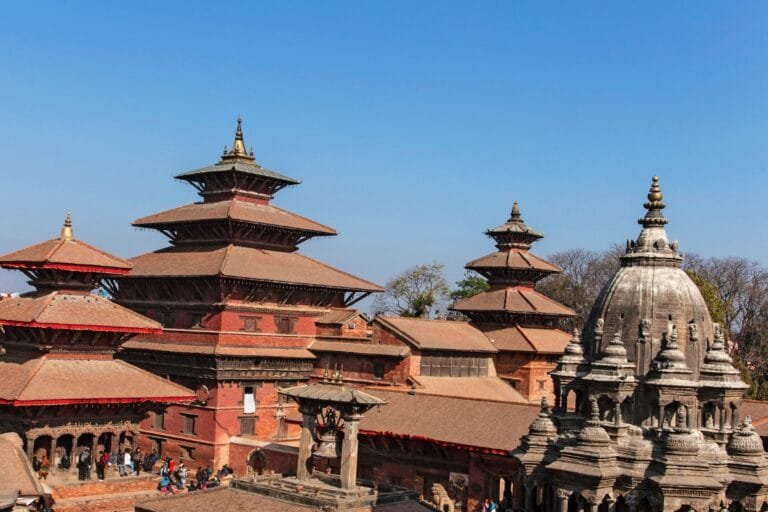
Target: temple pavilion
[[521, 323], [238, 303], [649, 413], [62, 390]]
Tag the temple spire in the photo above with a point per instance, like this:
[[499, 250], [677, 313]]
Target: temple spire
[[514, 216], [66, 230], [238, 150], [654, 205]]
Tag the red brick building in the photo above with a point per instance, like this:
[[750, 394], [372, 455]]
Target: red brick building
[[62, 390], [239, 306]]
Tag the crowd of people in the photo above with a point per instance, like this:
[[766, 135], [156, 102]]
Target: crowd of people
[[175, 478]]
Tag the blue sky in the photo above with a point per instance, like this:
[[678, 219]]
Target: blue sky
[[412, 125]]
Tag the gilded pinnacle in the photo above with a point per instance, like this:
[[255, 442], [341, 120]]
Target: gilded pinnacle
[[515, 214], [655, 196], [66, 230], [238, 150]]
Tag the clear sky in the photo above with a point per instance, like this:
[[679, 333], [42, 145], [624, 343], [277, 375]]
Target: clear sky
[[412, 125]]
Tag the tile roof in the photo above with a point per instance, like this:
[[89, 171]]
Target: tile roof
[[513, 258], [529, 339], [337, 316], [160, 345], [222, 498], [16, 472], [758, 411], [235, 500], [52, 381], [361, 348], [332, 393], [476, 388], [437, 334], [243, 211], [480, 424], [65, 254], [513, 300], [244, 167], [74, 312], [246, 263]]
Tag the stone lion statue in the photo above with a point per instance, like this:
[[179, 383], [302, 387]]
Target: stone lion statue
[[441, 499]]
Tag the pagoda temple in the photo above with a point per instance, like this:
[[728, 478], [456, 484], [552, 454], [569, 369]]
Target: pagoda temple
[[238, 303], [62, 390], [520, 322]]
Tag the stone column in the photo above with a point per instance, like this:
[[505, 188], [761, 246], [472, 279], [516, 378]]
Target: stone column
[[562, 500], [348, 471], [611, 504], [306, 441], [721, 408], [53, 465], [529, 497], [593, 504], [30, 448], [661, 416], [94, 454], [617, 414]]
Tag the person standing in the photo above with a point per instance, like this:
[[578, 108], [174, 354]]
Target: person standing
[[84, 464], [100, 466], [138, 460], [127, 467]]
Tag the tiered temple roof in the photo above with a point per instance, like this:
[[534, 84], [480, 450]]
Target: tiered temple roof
[[60, 339], [512, 301]]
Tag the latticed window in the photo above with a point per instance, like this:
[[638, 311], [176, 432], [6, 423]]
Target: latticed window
[[250, 323], [247, 425], [158, 420], [439, 365], [285, 324], [189, 424]]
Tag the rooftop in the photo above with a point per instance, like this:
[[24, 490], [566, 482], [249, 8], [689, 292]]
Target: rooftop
[[48, 380], [428, 334], [246, 263], [521, 300]]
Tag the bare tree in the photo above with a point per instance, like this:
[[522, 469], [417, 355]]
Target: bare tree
[[421, 291], [584, 274]]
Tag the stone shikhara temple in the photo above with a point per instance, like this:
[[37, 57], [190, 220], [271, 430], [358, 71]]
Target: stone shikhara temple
[[647, 415]]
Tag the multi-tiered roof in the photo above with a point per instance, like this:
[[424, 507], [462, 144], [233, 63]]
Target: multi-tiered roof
[[59, 340], [236, 234], [511, 311]]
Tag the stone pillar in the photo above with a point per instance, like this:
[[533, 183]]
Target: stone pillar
[[52, 464], [30, 448], [721, 408], [562, 500], [617, 414], [593, 504], [529, 498], [348, 471], [734, 418], [611, 504], [94, 453], [306, 441], [661, 416]]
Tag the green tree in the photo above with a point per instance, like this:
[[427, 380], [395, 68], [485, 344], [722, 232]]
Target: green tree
[[421, 291], [469, 286]]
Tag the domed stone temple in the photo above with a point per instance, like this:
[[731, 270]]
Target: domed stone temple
[[647, 410]]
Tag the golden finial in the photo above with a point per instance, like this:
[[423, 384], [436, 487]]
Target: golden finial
[[514, 216], [655, 196], [66, 230], [238, 147]]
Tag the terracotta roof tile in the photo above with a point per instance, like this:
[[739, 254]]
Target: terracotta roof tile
[[223, 498], [59, 252], [758, 411], [147, 343], [337, 317], [47, 380], [475, 388], [15, 470], [263, 214], [514, 258], [513, 300], [73, 311], [246, 263], [362, 348], [437, 334], [242, 167], [529, 339], [483, 424]]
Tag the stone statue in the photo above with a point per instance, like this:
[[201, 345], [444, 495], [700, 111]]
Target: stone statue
[[441, 499], [693, 334]]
